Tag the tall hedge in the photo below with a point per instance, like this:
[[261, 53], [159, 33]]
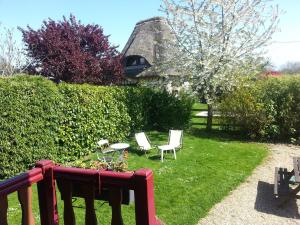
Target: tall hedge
[[28, 125], [268, 109], [39, 119]]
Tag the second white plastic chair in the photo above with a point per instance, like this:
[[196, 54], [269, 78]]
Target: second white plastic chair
[[175, 142]]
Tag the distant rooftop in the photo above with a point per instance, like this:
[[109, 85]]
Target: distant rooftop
[[147, 43]]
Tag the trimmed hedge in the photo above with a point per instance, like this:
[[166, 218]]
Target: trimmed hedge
[[268, 109], [40, 119]]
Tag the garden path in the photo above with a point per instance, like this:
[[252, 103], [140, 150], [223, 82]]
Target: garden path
[[252, 202]]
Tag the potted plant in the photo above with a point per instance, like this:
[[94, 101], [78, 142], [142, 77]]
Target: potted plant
[[119, 166]]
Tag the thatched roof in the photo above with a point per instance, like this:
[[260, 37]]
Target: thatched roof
[[147, 40]]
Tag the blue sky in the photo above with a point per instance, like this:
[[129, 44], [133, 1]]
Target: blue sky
[[118, 18]]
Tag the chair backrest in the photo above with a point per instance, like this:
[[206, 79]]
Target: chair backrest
[[175, 138], [142, 141], [102, 142]]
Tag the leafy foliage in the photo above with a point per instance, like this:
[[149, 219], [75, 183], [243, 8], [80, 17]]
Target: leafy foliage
[[42, 120], [169, 112], [214, 39], [117, 165], [267, 109], [73, 52]]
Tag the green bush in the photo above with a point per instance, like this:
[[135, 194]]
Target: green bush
[[268, 109], [241, 111], [169, 112], [90, 113], [42, 120], [28, 122]]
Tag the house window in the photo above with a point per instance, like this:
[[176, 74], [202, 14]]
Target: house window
[[142, 61], [136, 60], [135, 64]]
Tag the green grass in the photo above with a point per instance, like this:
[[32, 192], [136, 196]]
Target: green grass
[[207, 168], [205, 171]]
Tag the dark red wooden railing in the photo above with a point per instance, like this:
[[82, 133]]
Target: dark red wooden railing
[[85, 183]]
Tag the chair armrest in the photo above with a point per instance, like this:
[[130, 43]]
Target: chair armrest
[[105, 151]]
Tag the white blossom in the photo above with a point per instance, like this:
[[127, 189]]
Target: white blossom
[[11, 54], [213, 39]]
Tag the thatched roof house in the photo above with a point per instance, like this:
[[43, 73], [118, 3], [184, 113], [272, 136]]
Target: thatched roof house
[[146, 48]]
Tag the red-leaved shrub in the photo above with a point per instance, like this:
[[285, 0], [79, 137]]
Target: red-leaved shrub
[[70, 51]]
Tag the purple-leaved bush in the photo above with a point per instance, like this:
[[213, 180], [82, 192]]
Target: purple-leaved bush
[[70, 51]]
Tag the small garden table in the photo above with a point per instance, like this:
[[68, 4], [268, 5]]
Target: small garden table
[[120, 147]]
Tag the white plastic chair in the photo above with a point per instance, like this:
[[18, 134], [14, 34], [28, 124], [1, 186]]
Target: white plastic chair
[[102, 142], [102, 145], [175, 142], [143, 142]]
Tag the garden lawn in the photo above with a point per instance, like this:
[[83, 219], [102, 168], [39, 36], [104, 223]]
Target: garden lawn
[[207, 168]]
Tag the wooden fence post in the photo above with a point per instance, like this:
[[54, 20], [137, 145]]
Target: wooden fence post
[[144, 198], [88, 191], [47, 194], [66, 195], [25, 199], [115, 201], [3, 209]]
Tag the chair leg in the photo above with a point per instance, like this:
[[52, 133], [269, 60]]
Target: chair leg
[[146, 154], [174, 153], [162, 156]]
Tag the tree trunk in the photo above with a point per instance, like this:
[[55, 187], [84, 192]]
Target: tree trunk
[[209, 117]]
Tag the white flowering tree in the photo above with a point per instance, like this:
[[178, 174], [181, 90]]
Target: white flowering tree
[[215, 38], [11, 55]]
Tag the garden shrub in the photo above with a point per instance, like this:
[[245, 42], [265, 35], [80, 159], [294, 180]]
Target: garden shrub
[[29, 110], [169, 112], [43, 120], [90, 113], [268, 109], [241, 111]]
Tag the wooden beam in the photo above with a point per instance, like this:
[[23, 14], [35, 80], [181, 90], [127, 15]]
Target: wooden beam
[[66, 193], [115, 200], [88, 191], [3, 209], [25, 199]]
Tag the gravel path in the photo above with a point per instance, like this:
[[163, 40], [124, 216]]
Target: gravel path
[[253, 202]]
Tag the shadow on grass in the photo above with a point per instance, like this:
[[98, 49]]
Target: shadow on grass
[[154, 157], [266, 202], [159, 137], [218, 135], [227, 135], [136, 151], [199, 117], [195, 124]]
